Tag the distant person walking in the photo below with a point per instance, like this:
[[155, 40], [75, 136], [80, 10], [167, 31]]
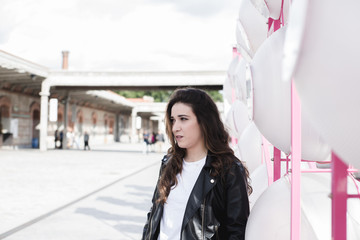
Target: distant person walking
[[160, 141], [146, 137], [86, 141], [57, 143], [61, 139]]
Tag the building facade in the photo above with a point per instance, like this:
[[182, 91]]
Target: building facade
[[83, 101]]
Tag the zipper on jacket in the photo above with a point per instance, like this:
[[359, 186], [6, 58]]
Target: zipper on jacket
[[203, 220], [150, 223]]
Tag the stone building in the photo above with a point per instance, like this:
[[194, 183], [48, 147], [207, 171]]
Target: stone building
[[104, 114], [35, 102]]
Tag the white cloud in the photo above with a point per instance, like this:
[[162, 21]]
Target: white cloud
[[120, 35]]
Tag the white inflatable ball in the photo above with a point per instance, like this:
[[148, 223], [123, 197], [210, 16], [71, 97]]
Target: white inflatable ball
[[250, 147], [240, 81], [328, 80], [272, 8], [272, 103], [259, 183], [251, 29], [227, 91]]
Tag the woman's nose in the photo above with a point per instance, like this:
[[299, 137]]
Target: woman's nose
[[176, 127]]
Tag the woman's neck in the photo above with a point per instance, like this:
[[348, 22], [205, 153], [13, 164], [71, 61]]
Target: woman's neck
[[193, 155]]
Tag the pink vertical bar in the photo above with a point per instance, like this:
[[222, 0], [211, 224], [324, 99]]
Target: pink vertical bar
[[295, 163], [339, 198], [266, 153], [270, 22], [277, 24], [277, 164]]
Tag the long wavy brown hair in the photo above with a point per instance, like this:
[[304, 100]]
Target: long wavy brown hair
[[215, 136]]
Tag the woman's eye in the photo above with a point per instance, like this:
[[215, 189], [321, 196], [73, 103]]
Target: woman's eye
[[183, 119]]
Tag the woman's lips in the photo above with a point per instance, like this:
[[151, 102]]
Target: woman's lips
[[178, 137]]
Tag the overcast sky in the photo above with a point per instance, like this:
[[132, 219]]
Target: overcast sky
[[121, 34]]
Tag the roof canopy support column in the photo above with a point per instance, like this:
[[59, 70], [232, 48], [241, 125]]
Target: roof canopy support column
[[66, 120], [117, 122], [44, 102], [133, 125]]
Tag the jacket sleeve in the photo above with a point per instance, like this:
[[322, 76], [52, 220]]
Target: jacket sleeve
[[146, 227], [237, 202]]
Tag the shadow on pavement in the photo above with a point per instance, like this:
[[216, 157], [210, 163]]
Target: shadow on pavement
[[107, 216]]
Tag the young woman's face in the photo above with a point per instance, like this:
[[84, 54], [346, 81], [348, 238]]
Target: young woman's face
[[185, 127]]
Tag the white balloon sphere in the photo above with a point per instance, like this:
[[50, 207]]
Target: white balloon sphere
[[259, 183], [313, 146], [241, 117], [261, 6], [231, 72], [251, 29], [250, 147], [229, 123], [274, 220], [272, 103], [271, 95], [240, 81], [327, 72], [272, 210], [272, 8], [227, 91], [237, 118], [236, 151]]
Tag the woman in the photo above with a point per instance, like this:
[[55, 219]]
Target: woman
[[202, 192]]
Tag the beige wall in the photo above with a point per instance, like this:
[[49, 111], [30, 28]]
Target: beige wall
[[23, 112], [20, 122]]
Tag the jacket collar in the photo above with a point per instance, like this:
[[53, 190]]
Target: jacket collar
[[203, 185]]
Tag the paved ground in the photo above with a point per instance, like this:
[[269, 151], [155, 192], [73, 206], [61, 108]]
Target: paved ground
[[73, 194]]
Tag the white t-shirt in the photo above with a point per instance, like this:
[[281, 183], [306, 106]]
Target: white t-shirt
[[174, 208]]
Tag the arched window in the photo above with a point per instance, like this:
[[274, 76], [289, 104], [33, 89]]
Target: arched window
[[79, 121], [94, 119], [35, 116], [106, 120], [111, 126]]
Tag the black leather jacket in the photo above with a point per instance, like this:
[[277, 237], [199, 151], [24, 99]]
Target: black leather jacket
[[216, 209]]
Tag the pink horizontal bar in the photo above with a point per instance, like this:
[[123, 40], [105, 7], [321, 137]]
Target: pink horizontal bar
[[315, 170], [353, 196], [324, 170], [303, 160]]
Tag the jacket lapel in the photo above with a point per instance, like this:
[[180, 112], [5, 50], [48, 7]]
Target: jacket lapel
[[203, 185]]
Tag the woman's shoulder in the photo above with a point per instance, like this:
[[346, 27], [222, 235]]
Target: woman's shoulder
[[235, 164]]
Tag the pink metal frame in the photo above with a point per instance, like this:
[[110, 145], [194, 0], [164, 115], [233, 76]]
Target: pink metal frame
[[266, 154], [340, 171], [235, 55], [277, 164], [295, 164], [295, 149], [339, 198]]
